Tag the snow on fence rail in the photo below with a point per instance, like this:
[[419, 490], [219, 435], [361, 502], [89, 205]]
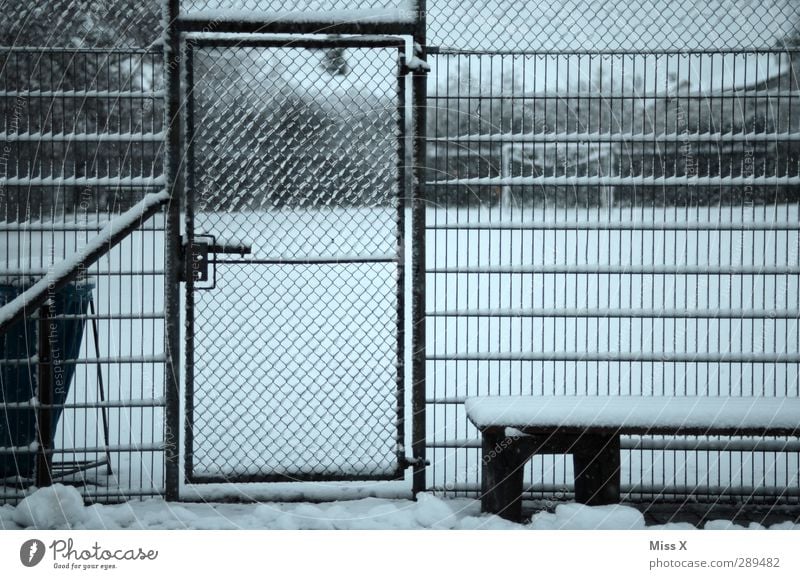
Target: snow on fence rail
[[647, 138], [82, 137], [62, 273], [609, 180], [81, 94], [668, 313], [61, 181]]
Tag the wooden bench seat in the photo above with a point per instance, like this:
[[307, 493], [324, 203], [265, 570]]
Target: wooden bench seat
[[514, 428]]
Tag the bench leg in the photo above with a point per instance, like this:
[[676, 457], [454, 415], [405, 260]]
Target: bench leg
[[502, 470], [597, 470]]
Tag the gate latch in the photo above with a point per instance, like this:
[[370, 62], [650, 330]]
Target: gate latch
[[415, 63], [415, 461], [201, 253], [195, 257]]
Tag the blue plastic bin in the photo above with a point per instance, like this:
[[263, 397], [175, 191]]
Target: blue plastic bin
[[18, 381]]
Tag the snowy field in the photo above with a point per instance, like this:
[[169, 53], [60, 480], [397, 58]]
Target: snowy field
[[62, 507], [295, 365]]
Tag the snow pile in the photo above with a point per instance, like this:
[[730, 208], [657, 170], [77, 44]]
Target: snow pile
[[61, 507], [722, 525], [54, 507], [581, 517]]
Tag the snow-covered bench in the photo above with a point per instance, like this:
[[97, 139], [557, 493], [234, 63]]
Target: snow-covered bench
[[514, 428]]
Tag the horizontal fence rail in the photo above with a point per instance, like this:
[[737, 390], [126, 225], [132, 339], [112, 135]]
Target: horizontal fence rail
[[666, 313]]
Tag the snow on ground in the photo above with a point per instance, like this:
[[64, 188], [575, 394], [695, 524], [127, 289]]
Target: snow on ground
[[60, 507]]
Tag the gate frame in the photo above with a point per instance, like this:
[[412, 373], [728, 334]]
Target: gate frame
[[176, 264], [191, 44]]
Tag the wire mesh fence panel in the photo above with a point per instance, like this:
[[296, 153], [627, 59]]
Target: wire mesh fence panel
[[589, 25], [617, 223], [82, 144], [293, 349], [81, 23], [602, 26]]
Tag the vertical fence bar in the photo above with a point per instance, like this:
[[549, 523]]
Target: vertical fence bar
[[189, 265], [402, 206], [172, 259], [101, 391], [44, 398], [418, 253]]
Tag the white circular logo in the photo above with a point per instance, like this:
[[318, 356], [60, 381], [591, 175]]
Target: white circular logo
[[32, 552]]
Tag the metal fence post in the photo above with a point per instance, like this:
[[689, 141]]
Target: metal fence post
[[172, 260], [188, 265], [402, 207], [418, 258]]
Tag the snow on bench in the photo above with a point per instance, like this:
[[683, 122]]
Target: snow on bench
[[514, 428], [636, 414]]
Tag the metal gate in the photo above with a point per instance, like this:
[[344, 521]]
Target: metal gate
[[294, 268]]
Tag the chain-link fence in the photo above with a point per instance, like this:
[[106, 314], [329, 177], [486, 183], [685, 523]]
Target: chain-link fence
[[602, 26], [81, 23], [294, 348]]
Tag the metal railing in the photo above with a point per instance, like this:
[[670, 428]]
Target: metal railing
[[83, 136]]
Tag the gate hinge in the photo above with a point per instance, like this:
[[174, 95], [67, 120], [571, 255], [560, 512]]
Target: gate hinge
[[414, 64], [415, 461]]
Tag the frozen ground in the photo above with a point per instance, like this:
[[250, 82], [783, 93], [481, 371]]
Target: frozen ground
[[61, 507]]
